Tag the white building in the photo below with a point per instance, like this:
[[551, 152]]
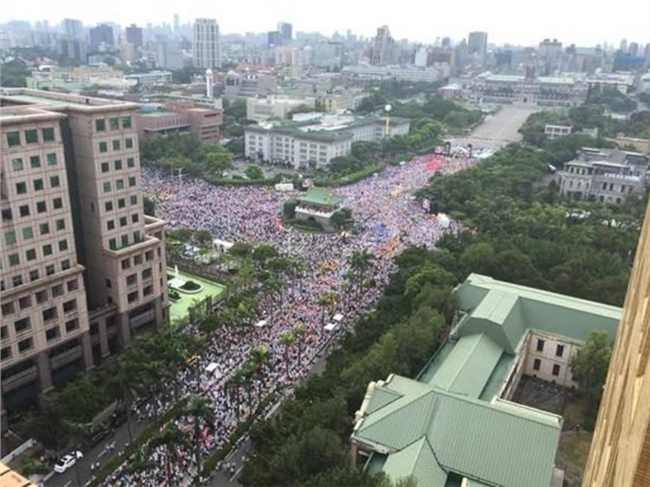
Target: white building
[[260, 109], [151, 78], [207, 53], [430, 74], [555, 131], [316, 141], [604, 175]]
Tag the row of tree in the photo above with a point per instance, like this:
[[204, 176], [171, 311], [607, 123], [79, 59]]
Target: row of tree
[[525, 235], [307, 443]]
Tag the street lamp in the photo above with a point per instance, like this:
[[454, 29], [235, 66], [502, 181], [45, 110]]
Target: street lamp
[[387, 109]]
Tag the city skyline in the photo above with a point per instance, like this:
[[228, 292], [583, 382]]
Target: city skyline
[[609, 22]]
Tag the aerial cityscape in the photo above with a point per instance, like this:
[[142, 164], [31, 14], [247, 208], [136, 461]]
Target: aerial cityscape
[[282, 243]]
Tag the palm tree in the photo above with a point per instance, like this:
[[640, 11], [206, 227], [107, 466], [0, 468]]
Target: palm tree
[[260, 357], [75, 432], [300, 332], [360, 262], [199, 408], [125, 378], [237, 380], [173, 439], [327, 300], [288, 340], [140, 463]]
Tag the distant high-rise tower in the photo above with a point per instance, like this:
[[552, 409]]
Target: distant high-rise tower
[[177, 23], [620, 449], [102, 35], [477, 45], [134, 36], [72, 28], [383, 47], [285, 31], [206, 44]]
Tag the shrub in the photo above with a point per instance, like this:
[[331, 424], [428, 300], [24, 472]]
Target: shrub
[[191, 286]]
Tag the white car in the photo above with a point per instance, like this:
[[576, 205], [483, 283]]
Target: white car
[[67, 461]]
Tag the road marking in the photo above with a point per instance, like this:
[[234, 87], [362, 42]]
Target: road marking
[[236, 473]]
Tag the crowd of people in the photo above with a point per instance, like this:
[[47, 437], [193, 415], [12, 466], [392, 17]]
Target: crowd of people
[[388, 219]]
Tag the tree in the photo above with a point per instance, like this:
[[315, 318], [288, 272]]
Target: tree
[[172, 440], [254, 172], [260, 358], [237, 380], [217, 159], [149, 206], [203, 237], [300, 332], [289, 209], [124, 378], [288, 340], [199, 409], [14, 74], [589, 367], [76, 432], [360, 263]]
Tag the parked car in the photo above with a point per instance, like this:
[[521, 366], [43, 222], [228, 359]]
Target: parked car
[[67, 462], [118, 418]]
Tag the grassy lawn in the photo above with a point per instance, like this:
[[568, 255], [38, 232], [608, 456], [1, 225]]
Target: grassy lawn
[[576, 448], [179, 309]]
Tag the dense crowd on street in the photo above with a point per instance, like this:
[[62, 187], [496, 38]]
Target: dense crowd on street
[[388, 219]]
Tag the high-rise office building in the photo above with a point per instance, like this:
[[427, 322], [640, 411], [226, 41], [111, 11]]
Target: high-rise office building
[[383, 47], [620, 449], [285, 31], [477, 46], [168, 53], [273, 38], [82, 268], [177, 24], [134, 36], [102, 35], [72, 28], [206, 44]]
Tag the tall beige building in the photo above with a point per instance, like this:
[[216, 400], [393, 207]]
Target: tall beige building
[[205, 44], [82, 268], [620, 450]]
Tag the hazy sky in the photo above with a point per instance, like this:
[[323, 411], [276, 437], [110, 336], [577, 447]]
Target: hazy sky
[[524, 22]]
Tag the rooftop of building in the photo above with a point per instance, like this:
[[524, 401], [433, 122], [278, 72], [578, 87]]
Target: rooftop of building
[[327, 128], [518, 78], [320, 197], [453, 407], [59, 101], [430, 433], [11, 478]]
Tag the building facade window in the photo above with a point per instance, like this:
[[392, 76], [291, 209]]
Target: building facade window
[[540, 345], [559, 351], [556, 370]]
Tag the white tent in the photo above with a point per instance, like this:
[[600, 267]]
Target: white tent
[[331, 327], [222, 245], [338, 317], [284, 187], [261, 324], [443, 220], [211, 368]]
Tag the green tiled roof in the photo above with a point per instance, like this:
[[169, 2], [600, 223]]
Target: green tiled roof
[[506, 445], [381, 398], [320, 197], [505, 312], [469, 365], [417, 461], [453, 408]]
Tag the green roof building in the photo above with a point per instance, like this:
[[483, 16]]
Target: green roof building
[[455, 422]]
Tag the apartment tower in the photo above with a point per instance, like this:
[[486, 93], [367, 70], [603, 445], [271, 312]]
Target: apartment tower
[[72, 207], [620, 450], [206, 44]]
